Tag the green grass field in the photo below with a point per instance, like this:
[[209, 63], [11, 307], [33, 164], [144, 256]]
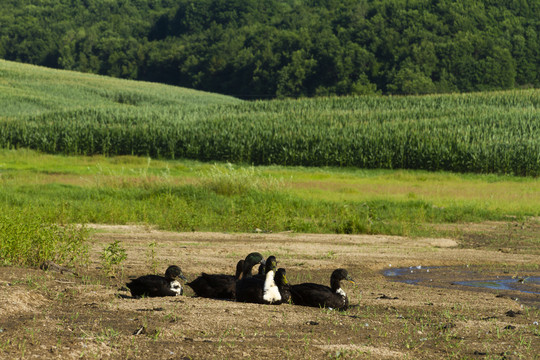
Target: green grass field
[[81, 114], [184, 195]]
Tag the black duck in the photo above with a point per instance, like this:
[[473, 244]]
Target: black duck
[[217, 286], [157, 286], [316, 295]]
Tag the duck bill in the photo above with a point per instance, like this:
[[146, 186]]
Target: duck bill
[[181, 276]]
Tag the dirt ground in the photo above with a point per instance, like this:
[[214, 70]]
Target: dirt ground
[[49, 314]]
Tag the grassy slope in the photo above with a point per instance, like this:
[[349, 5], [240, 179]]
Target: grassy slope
[[28, 89]]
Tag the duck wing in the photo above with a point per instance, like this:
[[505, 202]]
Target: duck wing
[[309, 294], [285, 292], [218, 286], [250, 289], [150, 285]]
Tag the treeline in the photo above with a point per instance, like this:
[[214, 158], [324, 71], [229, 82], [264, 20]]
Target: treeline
[[284, 48]]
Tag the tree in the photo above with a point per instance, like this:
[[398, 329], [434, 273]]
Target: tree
[[410, 80], [292, 77]]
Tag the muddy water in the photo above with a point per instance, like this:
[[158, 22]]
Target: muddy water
[[520, 286]]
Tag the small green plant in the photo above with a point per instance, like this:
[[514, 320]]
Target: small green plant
[[172, 317], [156, 334], [112, 257], [339, 354], [107, 334], [153, 262], [329, 255]]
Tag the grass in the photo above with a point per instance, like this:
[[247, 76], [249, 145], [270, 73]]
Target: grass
[[33, 90], [188, 196], [26, 239]]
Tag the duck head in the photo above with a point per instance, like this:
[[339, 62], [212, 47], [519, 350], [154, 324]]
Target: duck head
[[250, 261], [281, 277], [271, 264], [253, 258], [341, 274], [173, 272]]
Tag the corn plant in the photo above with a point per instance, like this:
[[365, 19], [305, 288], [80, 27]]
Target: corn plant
[[496, 132]]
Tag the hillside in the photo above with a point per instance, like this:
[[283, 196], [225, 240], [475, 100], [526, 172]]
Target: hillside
[[32, 90], [72, 113], [284, 48]]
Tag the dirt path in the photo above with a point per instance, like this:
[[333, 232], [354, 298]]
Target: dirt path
[[54, 315]]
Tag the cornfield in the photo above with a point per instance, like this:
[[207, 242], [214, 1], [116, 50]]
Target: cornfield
[[496, 132]]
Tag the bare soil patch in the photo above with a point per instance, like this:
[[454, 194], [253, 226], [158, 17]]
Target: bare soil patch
[[510, 236], [47, 314]]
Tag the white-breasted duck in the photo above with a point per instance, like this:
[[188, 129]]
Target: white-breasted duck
[[316, 295], [261, 291], [157, 286]]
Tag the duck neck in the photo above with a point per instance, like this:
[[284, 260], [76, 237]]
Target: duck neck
[[176, 287], [247, 270], [335, 284], [239, 270], [269, 280]]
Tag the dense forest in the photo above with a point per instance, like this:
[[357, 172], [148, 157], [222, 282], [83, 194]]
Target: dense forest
[[284, 48]]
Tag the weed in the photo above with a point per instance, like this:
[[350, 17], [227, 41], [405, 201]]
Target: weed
[[329, 255], [339, 354], [112, 257], [156, 334], [172, 317], [228, 180], [74, 316], [28, 239], [107, 335]]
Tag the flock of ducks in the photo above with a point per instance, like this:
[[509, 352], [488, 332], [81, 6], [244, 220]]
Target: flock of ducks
[[268, 286]]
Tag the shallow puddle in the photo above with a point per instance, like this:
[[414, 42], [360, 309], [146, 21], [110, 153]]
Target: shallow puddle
[[521, 285], [525, 288]]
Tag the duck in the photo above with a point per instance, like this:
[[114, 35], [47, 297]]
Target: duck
[[317, 295], [261, 291], [217, 286], [250, 261], [158, 286], [283, 285]]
